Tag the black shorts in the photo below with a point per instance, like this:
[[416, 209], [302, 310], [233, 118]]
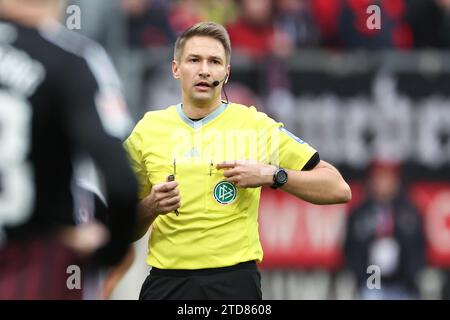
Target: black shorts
[[238, 282]]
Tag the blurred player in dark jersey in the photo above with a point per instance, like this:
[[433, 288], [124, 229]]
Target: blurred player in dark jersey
[[60, 101], [90, 210]]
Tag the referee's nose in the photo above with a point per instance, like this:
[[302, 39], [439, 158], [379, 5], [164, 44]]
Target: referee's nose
[[204, 70]]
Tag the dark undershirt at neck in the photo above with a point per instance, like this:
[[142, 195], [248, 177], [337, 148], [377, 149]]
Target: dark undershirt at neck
[[196, 119]]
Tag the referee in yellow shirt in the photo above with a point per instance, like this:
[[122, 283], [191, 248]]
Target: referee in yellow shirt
[[204, 242]]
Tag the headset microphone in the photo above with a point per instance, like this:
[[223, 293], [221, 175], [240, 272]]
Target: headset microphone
[[217, 82]]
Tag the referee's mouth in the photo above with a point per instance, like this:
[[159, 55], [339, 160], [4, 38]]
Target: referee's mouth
[[203, 85]]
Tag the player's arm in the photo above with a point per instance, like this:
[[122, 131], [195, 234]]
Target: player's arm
[[91, 121]]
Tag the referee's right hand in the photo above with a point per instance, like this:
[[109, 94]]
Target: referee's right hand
[[163, 198]]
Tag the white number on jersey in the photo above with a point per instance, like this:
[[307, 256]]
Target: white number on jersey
[[16, 184]]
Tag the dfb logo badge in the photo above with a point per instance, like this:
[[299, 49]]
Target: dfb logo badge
[[225, 192]]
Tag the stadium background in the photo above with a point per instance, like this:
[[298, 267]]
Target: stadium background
[[353, 93]]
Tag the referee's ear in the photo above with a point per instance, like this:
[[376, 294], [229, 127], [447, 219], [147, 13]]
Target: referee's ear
[[175, 69]]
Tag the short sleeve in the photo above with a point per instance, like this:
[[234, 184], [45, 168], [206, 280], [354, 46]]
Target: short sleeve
[[284, 148], [133, 146]]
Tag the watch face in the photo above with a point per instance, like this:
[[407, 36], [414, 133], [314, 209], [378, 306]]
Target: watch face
[[281, 176]]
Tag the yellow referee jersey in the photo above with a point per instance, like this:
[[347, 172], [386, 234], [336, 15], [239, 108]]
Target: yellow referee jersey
[[217, 224]]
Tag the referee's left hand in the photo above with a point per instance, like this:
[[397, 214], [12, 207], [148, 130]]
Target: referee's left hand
[[247, 174]]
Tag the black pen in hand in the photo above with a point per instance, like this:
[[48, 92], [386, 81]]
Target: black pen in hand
[[172, 178]]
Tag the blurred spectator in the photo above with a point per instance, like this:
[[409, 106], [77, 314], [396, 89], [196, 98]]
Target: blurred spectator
[[253, 34], [184, 14], [343, 24], [386, 231], [430, 22], [295, 19], [326, 14], [256, 36], [220, 11], [148, 23]]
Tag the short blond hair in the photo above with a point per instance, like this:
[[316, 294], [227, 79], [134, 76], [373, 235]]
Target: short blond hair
[[205, 29]]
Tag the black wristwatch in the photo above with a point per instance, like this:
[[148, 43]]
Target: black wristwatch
[[280, 177]]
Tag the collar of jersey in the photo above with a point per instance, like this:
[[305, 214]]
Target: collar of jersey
[[205, 120]]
